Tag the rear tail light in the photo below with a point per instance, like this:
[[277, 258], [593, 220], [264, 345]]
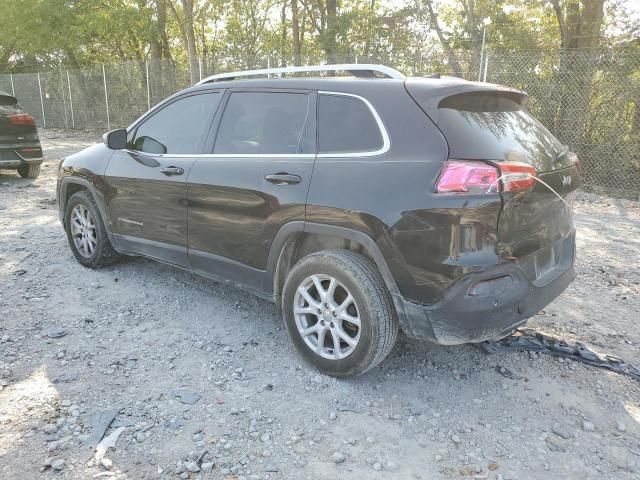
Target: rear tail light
[[22, 119], [466, 177], [517, 176], [474, 176], [573, 158]]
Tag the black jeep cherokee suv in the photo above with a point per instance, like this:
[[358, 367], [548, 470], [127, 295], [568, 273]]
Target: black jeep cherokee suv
[[19, 143], [358, 205]]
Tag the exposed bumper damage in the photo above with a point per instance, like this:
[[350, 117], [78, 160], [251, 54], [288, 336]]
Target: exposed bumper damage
[[490, 304]]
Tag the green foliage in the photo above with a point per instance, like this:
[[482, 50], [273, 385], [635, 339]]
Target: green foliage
[[546, 48]]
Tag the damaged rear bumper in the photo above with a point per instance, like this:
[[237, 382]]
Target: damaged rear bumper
[[489, 304]]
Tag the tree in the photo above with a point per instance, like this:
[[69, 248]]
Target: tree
[[580, 28], [296, 34]]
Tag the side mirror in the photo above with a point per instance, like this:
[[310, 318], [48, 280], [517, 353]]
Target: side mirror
[[116, 139], [149, 145]]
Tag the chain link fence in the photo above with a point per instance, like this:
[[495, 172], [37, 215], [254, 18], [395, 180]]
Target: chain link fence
[[589, 100]]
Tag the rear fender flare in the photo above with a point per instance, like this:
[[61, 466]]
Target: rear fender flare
[[369, 244]]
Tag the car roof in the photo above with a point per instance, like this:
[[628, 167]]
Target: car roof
[[436, 86], [302, 83]]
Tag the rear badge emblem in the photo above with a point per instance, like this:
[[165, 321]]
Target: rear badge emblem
[[566, 180]]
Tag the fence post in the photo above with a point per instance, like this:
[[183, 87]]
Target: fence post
[[73, 120], [200, 67], [484, 32], [106, 96], [44, 119], [13, 90], [486, 66], [268, 66], [64, 100], [148, 88]]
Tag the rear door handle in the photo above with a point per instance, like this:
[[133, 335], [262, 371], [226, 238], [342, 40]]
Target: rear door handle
[[170, 171], [283, 179]]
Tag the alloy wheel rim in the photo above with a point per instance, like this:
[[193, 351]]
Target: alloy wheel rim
[[83, 231], [327, 317]]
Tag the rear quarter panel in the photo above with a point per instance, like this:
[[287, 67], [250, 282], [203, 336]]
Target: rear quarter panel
[[428, 240]]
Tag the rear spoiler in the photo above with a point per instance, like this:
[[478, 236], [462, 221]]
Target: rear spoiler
[[429, 93]]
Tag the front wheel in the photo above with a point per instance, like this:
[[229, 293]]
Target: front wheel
[[339, 312], [86, 233]]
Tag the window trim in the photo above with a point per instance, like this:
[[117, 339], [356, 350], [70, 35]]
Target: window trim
[[215, 128], [386, 142], [160, 107]]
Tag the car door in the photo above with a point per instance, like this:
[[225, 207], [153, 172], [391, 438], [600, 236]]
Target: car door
[[254, 181], [146, 199]]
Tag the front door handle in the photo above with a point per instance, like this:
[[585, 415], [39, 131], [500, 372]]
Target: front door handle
[[170, 171], [283, 179]]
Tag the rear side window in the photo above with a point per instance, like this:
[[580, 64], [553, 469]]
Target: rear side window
[[495, 126], [263, 123], [346, 125], [178, 127]]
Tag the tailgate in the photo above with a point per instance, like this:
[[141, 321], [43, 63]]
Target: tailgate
[[12, 135], [490, 124], [535, 228]]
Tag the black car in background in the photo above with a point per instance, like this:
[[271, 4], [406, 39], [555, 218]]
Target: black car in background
[[360, 206], [19, 143]]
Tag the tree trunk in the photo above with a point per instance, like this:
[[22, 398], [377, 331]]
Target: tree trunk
[[283, 35], [187, 7], [580, 32], [295, 30], [451, 56], [475, 37], [331, 31]]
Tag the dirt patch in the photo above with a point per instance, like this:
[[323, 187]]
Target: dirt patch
[[204, 381]]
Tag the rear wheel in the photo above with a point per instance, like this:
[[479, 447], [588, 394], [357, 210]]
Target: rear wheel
[[86, 234], [31, 170], [339, 312]]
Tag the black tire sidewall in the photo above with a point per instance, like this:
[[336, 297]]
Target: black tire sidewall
[[29, 171], [364, 352], [82, 198]]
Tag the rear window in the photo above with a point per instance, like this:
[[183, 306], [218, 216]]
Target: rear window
[[495, 126], [346, 125], [9, 105]]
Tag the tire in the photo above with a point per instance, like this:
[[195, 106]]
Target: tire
[[31, 170], [102, 253], [352, 274]]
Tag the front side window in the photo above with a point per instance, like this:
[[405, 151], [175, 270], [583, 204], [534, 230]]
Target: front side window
[[263, 123], [178, 127], [346, 125]]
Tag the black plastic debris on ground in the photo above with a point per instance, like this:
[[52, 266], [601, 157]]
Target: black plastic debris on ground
[[533, 341]]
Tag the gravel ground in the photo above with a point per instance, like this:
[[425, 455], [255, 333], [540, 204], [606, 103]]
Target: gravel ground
[[139, 339]]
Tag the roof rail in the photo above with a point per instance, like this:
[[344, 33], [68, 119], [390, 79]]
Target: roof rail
[[356, 69]]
